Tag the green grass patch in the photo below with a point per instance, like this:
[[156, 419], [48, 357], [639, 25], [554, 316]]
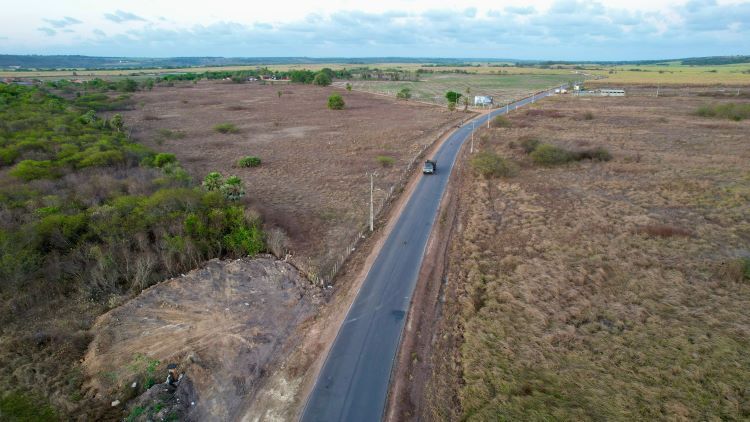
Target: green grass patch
[[226, 128], [16, 407], [249, 161], [385, 160], [731, 111]]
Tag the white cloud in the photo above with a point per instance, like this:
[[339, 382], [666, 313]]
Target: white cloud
[[120, 16], [564, 29]]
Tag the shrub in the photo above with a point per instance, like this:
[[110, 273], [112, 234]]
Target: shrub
[[249, 161], [737, 269], [348, 86], [529, 143], [163, 158], [596, 154], [171, 134], [102, 159], [385, 160], [404, 94], [232, 188], [501, 121], [550, 155], [322, 79], [213, 181], [336, 102], [489, 164], [588, 116], [731, 111], [226, 128], [8, 155], [31, 170], [277, 241]]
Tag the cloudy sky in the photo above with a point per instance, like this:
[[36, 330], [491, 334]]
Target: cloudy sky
[[559, 29]]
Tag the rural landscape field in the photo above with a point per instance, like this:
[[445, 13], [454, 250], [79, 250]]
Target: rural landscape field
[[375, 211], [614, 288]]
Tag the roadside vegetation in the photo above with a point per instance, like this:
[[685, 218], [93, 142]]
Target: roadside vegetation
[[88, 215]]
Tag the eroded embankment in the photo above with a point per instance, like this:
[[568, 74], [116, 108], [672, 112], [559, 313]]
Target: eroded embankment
[[225, 325]]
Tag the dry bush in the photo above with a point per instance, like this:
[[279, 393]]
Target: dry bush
[[663, 230], [277, 242], [544, 113], [736, 270], [151, 117]]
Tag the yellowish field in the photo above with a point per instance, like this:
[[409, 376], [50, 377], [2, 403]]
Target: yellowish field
[[734, 74], [670, 74]]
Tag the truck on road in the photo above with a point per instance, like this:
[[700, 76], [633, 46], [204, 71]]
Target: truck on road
[[430, 167]]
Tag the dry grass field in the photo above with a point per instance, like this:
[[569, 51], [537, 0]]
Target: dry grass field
[[603, 290], [503, 88], [313, 180]]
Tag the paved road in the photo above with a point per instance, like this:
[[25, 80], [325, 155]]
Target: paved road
[[353, 384]]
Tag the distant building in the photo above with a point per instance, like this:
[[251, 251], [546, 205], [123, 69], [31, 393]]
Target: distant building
[[604, 92], [483, 100]]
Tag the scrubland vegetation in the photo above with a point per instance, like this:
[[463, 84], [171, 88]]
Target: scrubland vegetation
[[731, 111], [601, 289], [88, 216]]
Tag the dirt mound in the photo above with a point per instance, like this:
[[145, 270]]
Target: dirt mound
[[224, 324]]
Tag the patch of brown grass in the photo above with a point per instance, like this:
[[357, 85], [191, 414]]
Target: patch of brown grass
[[663, 230], [592, 291]]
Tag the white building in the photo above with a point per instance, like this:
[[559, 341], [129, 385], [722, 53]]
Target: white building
[[483, 100]]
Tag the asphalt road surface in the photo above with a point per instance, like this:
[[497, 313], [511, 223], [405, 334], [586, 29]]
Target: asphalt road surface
[[353, 383]]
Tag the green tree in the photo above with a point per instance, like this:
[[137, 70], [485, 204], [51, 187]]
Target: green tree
[[404, 94], [328, 72], [452, 97], [116, 122], [336, 102], [127, 85], [322, 79]]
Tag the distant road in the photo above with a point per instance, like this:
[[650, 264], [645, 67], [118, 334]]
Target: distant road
[[353, 383]]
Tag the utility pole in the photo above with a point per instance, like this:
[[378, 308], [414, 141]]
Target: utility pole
[[472, 137], [372, 211]]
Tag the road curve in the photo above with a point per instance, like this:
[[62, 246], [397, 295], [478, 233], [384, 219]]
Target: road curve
[[353, 383]]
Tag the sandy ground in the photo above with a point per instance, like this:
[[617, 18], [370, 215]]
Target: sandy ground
[[227, 325], [617, 273], [313, 182]]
